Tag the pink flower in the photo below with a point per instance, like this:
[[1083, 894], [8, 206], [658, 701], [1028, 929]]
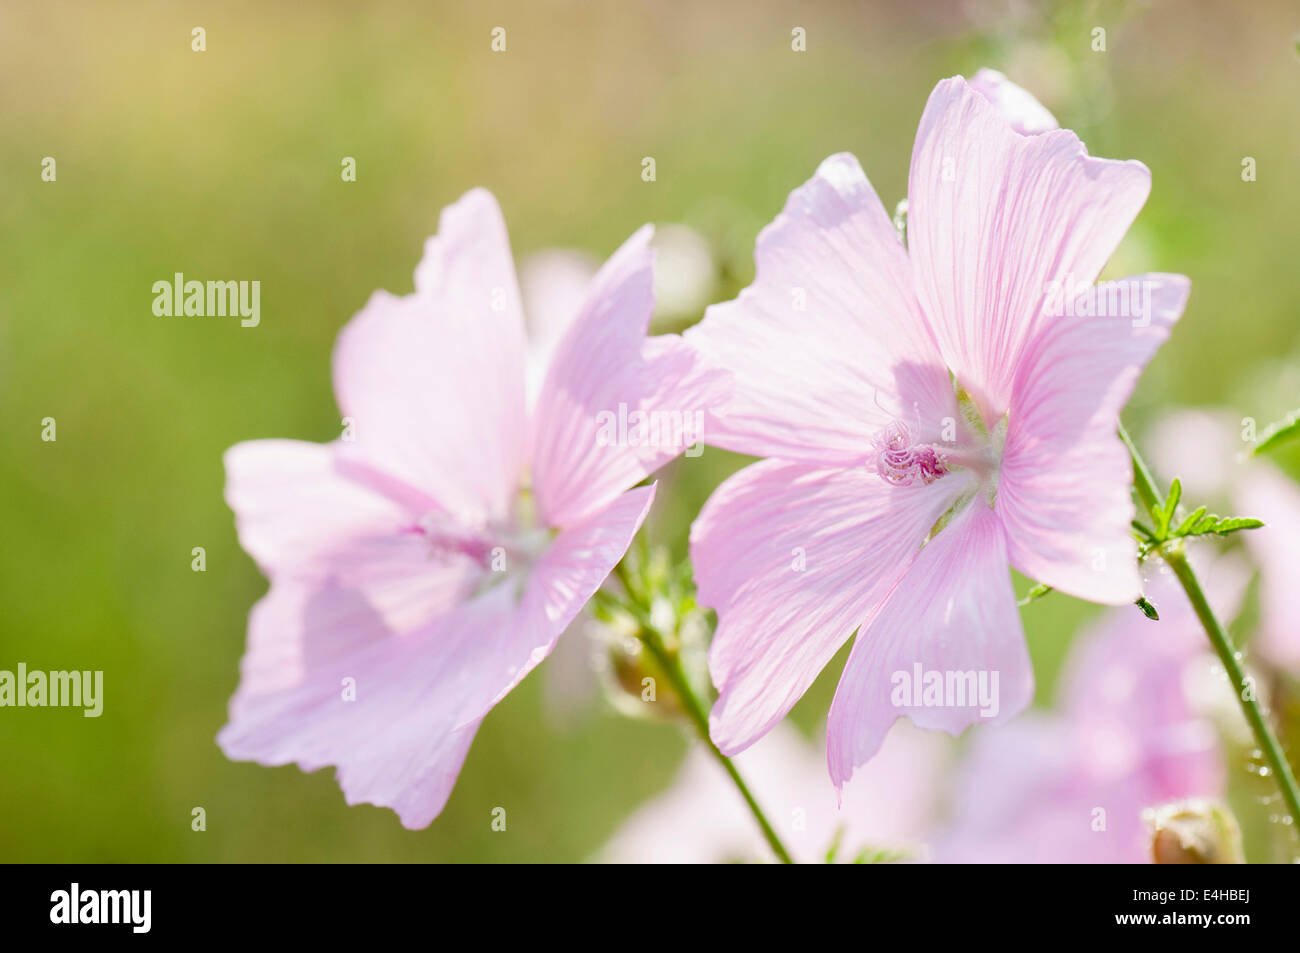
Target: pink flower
[[890, 806], [1268, 495], [1071, 787], [424, 563], [894, 500], [1203, 448]]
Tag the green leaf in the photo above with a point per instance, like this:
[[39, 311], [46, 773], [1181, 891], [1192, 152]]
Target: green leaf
[[880, 855], [1035, 593], [1232, 524], [834, 847], [1186, 525], [1167, 512], [1204, 525], [1144, 529], [1278, 432]]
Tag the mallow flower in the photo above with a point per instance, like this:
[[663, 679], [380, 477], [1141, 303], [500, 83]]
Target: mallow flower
[[887, 812], [930, 411], [1135, 730], [422, 564]]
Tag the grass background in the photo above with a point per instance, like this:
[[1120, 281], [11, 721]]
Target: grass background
[[225, 164]]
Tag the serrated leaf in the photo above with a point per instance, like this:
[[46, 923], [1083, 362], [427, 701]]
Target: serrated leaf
[[1278, 432], [1205, 524], [1232, 524], [1186, 525]]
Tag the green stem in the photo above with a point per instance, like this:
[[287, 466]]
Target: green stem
[[670, 662], [1174, 555]]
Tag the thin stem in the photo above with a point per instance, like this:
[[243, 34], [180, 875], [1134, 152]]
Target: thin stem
[[1152, 499], [672, 666]]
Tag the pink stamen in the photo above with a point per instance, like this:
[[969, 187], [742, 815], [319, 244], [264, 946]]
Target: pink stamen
[[900, 462]]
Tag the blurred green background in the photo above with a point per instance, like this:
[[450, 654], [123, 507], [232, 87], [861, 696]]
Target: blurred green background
[[225, 164]]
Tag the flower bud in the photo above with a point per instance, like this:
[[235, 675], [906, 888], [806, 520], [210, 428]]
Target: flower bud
[[1193, 831]]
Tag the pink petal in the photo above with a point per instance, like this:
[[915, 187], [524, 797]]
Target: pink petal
[[994, 218], [554, 284], [953, 611], [1025, 114], [1267, 495], [827, 345], [1065, 489], [559, 585], [302, 517], [434, 381], [778, 625], [587, 448], [400, 742], [421, 691], [292, 504]]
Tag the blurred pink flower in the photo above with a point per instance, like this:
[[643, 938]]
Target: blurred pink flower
[[889, 806], [1266, 494], [424, 563], [1203, 448], [1132, 733], [842, 351]]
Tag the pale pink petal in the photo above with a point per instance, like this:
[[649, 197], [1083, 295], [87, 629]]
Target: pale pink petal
[[1072, 787], [434, 382], [1267, 495], [827, 345], [302, 516], [994, 219], [419, 695], [292, 504], [559, 584], [1065, 490], [953, 612], [554, 285], [387, 710], [701, 819], [1026, 114], [605, 377], [794, 558], [1200, 446]]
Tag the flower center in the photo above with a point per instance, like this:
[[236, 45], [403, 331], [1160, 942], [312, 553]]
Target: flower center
[[499, 549], [901, 462]]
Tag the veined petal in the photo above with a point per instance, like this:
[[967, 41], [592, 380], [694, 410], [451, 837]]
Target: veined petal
[[385, 709], [794, 558], [559, 584], [827, 345], [615, 406], [996, 222], [434, 382], [1025, 114], [292, 505], [952, 616], [301, 516], [1065, 489]]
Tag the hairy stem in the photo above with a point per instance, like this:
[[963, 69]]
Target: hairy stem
[[1149, 493], [670, 662]]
